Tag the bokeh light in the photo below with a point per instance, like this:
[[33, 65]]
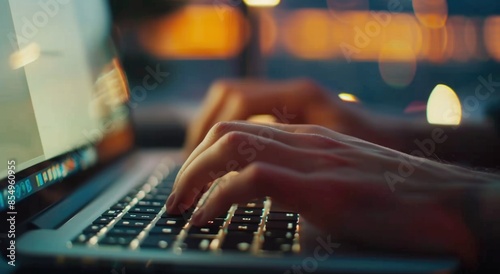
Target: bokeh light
[[347, 97], [458, 35], [397, 63], [262, 3], [340, 9], [443, 106], [25, 56], [268, 32], [491, 38], [435, 46], [431, 13], [416, 107], [471, 30], [308, 34], [196, 32]]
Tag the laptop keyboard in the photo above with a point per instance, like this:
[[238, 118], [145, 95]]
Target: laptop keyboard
[[139, 221]]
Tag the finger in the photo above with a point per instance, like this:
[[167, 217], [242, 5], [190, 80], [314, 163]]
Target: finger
[[258, 180], [232, 153], [249, 98], [215, 100], [267, 131]]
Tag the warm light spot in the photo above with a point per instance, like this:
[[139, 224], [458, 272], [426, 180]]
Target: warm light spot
[[316, 34], [457, 46], [435, 46], [25, 56], [264, 118], [397, 63], [341, 9], [471, 38], [492, 41], [347, 97], [262, 3], [416, 107], [268, 32], [308, 34], [431, 13], [443, 107], [196, 32], [405, 28]]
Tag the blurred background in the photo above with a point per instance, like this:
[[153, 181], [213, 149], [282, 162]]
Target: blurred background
[[388, 55]]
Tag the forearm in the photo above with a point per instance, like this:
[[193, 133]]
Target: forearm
[[468, 144]]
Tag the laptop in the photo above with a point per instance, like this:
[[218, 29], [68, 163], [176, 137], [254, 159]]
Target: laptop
[[76, 194]]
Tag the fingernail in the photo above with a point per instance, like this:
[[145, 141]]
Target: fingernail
[[170, 201], [198, 216]]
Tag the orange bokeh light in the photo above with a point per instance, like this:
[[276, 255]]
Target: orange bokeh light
[[431, 13], [268, 32], [435, 46], [491, 39], [308, 34], [397, 63], [196, 32]]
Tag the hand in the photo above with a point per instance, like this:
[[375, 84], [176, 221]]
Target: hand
[[338, 183], [292, 102]]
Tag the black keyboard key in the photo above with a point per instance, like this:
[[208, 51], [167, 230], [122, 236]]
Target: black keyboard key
[[282, 216], [119, 206], [171, 222], [248, 212], [174, 216], [93, 229], [119, 241], [279, 234], [147, 210], [158, 241], [237, 241], [215, 223], [132, 223], [150, 204], [196, 244], [243, 227], [246, 219], [138, 216], [186, 215], [131, 231], [103, 220], [223, 216], [277, 244], [280, 225], [165, 230], [111, 213], [203, 230], [155, 198]]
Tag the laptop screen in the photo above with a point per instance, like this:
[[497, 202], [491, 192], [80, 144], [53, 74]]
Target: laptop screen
[[62, 92]]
